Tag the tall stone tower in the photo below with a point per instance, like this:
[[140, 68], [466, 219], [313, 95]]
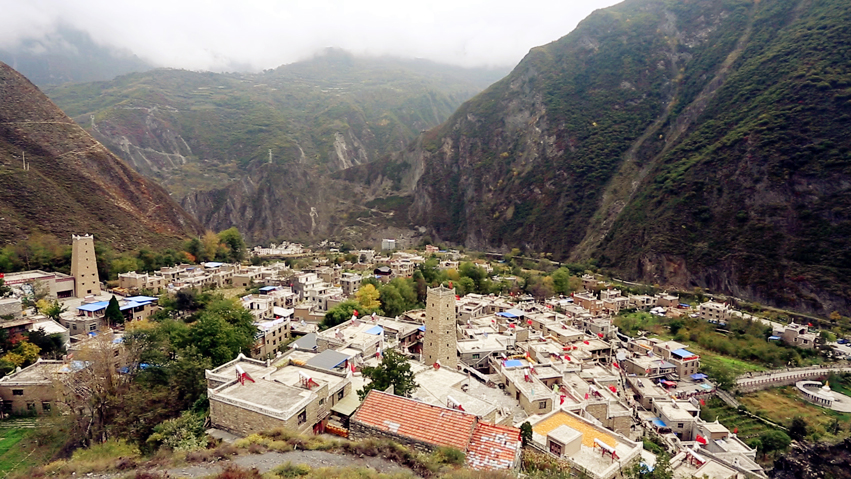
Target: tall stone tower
[[439, 342], [84, 267]]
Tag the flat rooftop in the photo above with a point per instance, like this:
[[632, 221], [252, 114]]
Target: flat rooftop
[[273, 397], [291, 375], [227, 371], [489, 343], [436, 385]]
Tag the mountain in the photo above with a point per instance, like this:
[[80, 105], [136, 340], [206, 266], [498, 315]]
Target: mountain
[[72, 184], [69, 55], [689, 143], [195, 131]]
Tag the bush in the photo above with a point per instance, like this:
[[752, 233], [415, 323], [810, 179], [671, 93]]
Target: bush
[[184, 433], [450, 455], [289, 469], [234, 472]]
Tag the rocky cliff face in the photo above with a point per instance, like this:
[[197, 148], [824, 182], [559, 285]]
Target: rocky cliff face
[[55, 178], [814, 461], [686, 143], [206, 135]]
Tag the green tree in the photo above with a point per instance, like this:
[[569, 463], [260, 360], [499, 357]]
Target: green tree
[[223, 330], [526, 433], [232, 238], [4, 290], [774, 440], [51, 309], [113, 313], [398, 296], [49, 344], [339, 314], [393, 370], [561, 280], [798, 428], [429, 269]]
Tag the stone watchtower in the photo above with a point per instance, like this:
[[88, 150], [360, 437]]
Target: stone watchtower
[[84, 267], [439, 342]]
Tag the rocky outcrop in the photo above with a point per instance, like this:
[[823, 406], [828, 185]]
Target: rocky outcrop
[[814, 461]]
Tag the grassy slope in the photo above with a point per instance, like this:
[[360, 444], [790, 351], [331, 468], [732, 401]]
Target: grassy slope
[[23, 449]]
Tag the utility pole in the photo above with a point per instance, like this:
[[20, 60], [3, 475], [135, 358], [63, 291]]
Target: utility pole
[[270, 156]]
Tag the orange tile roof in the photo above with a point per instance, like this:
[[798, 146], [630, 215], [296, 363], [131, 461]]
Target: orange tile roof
[[493, 447], [431, 424]]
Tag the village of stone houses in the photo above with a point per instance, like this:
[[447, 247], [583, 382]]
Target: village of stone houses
[[496, 362]]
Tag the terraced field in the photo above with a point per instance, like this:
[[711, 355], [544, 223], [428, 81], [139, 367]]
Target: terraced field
[[731, 418]]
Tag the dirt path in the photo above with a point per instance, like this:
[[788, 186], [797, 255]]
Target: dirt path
[[269, 460]]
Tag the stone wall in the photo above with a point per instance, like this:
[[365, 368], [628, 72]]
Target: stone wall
[[243, 421], [359, 430], [33, 397]]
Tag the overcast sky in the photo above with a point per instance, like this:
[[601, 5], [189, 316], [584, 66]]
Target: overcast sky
[[217, 35]]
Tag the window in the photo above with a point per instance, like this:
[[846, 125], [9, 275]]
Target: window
[[679, 425], [31, 406], [340, 394], [93, 326], [476, 356], [321, 401], [302, 416], [555, 448], [542, 405], [45, 406], [17, 392]]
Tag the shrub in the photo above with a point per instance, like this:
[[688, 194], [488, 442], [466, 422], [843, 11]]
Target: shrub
[[184, 433], [234, 472], [224, 451], [289, 469], [450, 455], [199, 456]]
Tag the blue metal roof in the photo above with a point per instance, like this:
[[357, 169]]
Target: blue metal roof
[[507, 315], [773, 338], [212, 264], [131, 305], [422, 328], [92, 307], [375, 330], [658, 422], [699, 376], [683, 353], [513, 363], [142, 299], [268, 288]]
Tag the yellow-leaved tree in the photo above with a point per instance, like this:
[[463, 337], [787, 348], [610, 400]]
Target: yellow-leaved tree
[[368, 298]]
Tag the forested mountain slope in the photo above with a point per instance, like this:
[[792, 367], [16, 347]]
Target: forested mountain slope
[[700, 143], [72, 184]]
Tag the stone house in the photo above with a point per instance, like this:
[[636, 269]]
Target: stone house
[[262, 397], [425, 427]]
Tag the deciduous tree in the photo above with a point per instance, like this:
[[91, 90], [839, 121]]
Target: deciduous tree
[[393, 370]]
